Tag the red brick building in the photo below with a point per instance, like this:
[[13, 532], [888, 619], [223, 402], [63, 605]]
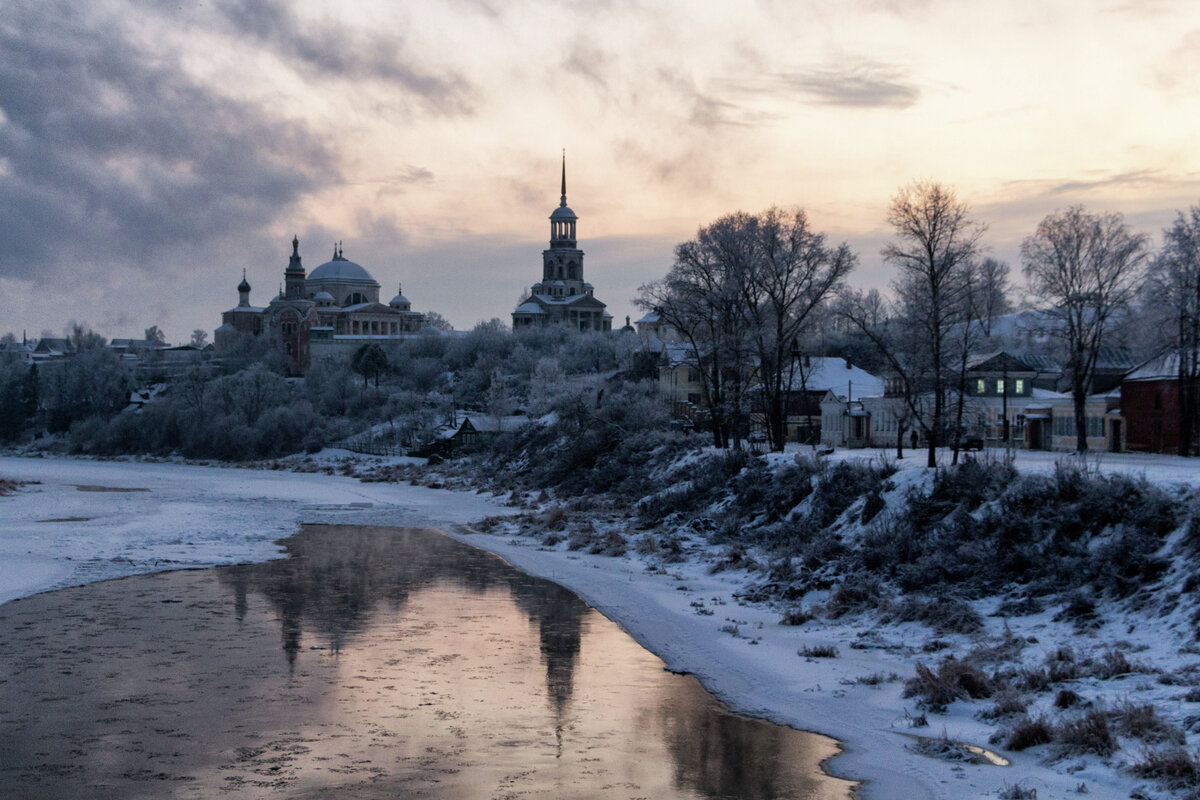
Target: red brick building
[[1150, 404]]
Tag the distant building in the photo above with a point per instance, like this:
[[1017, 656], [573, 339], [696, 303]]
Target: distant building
[[563, 296], [330, 313]]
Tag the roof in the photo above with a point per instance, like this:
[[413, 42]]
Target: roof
[[838, 375], [563, 212], [999, 361], [341, 270], [1164, 367], [529, 307]]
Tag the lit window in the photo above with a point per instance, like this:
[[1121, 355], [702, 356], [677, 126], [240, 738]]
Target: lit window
[[1019, 388], [980, 386], [1000, 386]]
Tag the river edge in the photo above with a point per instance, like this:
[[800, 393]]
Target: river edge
[[757, 672]]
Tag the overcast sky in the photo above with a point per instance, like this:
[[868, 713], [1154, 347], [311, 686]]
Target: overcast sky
[[151, 151]]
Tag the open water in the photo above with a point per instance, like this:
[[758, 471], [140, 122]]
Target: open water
[[369, 663]]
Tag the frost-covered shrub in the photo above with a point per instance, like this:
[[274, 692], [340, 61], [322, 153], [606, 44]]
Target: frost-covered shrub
[[1174, 766], [1085, 734], [1143, 722], [945, 613], [954, 680], [1029, 732]]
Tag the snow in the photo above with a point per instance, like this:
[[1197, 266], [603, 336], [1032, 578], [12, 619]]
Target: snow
[[63, 531]]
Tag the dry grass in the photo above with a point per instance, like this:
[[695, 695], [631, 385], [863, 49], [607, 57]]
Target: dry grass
[[954, 680], [1142, 722], [1088, 734], [818, 651], [1174, 766], [1029, 732]]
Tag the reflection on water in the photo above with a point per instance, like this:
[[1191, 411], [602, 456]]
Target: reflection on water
[[368, 663]]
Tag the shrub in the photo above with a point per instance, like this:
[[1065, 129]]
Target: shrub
[[1142, 722], [1174, 766], [1029, 732], [945, 614], [796, 616], [954, 680], [1089, 733], [1007, 704], [612, 544], [1066, 699], [818, 651]]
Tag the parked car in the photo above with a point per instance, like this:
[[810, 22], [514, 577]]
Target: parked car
[[972, 441]]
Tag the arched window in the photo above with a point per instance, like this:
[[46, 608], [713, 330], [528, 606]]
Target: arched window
[[571, 270]]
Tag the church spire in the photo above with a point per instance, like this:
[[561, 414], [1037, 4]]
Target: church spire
[[563, 201]]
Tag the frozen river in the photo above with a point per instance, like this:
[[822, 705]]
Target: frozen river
[[370, 662]]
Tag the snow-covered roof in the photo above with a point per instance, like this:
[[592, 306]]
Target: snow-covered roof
[[838, 375], [529, 307], [1161, 368], [341, 270]]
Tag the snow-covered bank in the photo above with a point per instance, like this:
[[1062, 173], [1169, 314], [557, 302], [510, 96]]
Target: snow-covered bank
[[195, 516]]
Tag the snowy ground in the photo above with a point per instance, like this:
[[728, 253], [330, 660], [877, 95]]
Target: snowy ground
[[63, 531]]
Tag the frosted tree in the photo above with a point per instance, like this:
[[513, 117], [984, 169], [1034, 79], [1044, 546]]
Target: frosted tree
[[1088, 267], [935, 243]]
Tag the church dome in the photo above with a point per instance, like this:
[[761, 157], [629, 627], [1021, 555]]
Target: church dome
[[244, 286], [323, 297], [340, 270], [400, 300], [563, 212]]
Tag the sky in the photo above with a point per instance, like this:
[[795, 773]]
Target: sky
[[151, 150]]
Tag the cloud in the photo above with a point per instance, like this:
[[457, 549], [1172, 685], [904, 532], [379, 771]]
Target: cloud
[[333, 50], [114, 156], [855, 84]]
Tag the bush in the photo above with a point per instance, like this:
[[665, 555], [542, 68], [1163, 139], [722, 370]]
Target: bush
[[943, 614], [954, 680], [1087, 734], [1142, 722], [818, 651], [1029, 732], [1174, 766]]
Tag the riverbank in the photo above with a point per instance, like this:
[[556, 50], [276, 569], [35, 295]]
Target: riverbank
[[57, 533]]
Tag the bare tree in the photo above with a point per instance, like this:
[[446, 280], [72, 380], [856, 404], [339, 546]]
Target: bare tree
[[698, 301], [1173, 287], [993, 292], [155, 337], [199, 337], [935, 242], [1087, 267], [791, 273]]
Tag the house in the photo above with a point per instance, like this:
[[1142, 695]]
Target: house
[[811, 380], [1151, 399]]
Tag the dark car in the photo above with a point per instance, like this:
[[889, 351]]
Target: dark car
[[972, 441]]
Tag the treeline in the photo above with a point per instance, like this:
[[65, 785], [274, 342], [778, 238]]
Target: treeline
[[753, 293], [245, 407]]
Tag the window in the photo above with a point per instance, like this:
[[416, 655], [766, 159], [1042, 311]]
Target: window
[[980, 386], [1019, 386], [694, 398], [693, 376], [1000, 386]]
